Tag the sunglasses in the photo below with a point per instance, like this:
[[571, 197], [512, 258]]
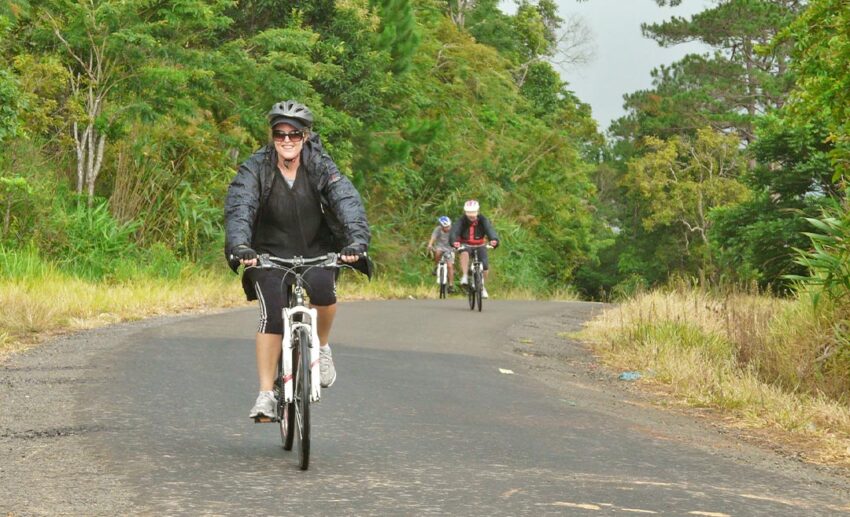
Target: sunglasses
[[294, 136]]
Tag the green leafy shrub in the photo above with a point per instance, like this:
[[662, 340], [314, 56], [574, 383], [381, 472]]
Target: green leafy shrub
[[828, 261], [88, 241]]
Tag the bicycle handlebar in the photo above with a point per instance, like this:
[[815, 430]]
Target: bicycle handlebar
[[266, 261], [269, 260]]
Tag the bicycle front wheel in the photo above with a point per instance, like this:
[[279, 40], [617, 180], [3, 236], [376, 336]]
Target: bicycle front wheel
[[286, 411], [441, 276], [302, 398], [479, 288], [471, 291]]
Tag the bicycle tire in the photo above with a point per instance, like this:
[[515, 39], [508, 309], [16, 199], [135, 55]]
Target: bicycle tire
[[479, 287], [302, 398], [443, 272], [286, 413], [470, 288]]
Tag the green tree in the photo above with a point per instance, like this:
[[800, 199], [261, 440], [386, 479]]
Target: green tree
[[735, 84], [791, 181], [681, 180], [111, 48], [9, 106], [821, 43], [398, 32]]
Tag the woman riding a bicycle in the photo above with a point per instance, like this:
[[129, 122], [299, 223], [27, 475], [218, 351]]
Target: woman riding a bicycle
[[290, 200], [473, 229]]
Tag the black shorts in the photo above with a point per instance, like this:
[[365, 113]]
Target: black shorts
[[273, 293], [482, 256]]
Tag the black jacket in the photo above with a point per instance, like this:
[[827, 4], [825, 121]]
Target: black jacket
[[248, 192], [483, 231]]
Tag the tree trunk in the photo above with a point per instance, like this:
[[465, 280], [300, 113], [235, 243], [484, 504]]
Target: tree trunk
[[89, 145], [458, 15], [751, 88], [80, 150]]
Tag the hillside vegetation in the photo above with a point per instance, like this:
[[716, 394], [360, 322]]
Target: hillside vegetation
[[123, 122]]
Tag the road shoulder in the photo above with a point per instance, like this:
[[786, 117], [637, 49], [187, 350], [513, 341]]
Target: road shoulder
[[543, 348]]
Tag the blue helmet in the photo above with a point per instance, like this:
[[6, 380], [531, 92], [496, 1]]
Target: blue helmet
[[444, 221]]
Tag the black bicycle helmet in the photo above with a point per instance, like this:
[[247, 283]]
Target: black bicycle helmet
[[291, 112]]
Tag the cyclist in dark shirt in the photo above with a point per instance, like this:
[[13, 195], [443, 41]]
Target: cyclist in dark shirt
[[473, 229]]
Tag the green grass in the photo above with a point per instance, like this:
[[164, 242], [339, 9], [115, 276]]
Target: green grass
[[354, 286], [40, 306]]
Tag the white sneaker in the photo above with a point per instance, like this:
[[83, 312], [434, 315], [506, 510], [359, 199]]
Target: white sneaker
[[484, 293], [327, 372], [266, 405], [464, 280]]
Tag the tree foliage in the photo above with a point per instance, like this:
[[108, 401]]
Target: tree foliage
[[821, 51], [145, 108], [741, 89]]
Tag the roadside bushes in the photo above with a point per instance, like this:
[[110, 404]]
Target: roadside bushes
[[828, 287], [76, 240]]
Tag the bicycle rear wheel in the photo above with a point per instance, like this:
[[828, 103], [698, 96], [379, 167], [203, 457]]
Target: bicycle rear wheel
[[302, 398]]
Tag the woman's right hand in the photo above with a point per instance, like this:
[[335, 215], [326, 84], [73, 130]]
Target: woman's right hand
[[246, 255]]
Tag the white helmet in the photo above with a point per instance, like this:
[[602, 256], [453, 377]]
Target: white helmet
[[471, 206]]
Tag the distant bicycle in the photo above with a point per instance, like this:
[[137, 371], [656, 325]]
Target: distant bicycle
[[443, 272], [475, 275], [297, 382]]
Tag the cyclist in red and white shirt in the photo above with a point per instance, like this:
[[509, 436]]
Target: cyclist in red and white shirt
[[473, 229]]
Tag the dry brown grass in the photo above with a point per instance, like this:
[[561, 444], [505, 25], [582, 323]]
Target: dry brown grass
[[37, 308], [753, 357], [357, 287]]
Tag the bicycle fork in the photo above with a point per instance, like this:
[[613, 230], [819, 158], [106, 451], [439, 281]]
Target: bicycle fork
[[288, 329]]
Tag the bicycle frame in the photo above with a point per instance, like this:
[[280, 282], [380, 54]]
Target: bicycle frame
[[475, 263], [297, 317], [443, 271], [443, 268], [292, 323]]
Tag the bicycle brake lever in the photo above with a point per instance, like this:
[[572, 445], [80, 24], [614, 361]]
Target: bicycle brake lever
[[263, 260]]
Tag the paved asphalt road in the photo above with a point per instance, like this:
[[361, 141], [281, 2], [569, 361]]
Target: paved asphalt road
[[420, 421]]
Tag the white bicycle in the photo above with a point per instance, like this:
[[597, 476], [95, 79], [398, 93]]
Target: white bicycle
[[443, 272], [297, 382]]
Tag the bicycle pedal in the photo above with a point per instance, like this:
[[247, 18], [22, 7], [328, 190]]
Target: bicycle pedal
[[264, 420]]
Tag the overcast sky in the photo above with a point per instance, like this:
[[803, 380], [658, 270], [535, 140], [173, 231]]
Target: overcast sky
[[623, 58]]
